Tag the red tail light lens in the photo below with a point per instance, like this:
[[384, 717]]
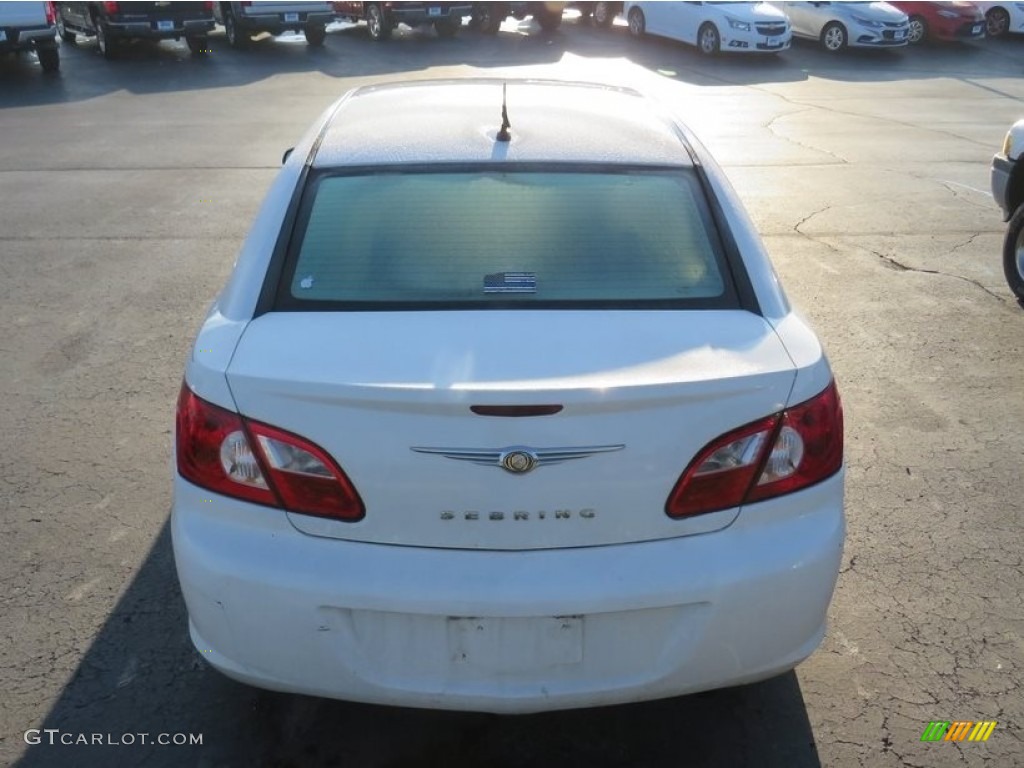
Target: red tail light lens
[[110, 7], [51, 13], [208, 5], [780, 454], [224, 453]]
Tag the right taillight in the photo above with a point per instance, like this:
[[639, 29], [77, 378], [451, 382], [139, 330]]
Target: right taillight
[[779, 454], [219, 450], [110, 8]]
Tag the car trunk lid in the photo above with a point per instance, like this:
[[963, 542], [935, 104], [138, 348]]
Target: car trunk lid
[[391, 396]]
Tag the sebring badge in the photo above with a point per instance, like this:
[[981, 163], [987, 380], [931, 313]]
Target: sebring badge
[[519, 459]]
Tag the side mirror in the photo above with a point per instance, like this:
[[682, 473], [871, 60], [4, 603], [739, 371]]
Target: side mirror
[[287, 154]]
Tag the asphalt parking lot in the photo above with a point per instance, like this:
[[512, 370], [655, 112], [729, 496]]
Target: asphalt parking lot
[[126, 189]]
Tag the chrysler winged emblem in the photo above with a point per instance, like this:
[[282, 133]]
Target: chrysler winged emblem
[[518, 459]]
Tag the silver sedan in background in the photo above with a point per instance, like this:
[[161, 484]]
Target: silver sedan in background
[[849, 24]]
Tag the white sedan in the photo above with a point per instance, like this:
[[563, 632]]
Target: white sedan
[[505, 418], [850, 24], [1003, 17], [732, 27]]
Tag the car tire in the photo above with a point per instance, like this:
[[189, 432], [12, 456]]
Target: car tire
[[198, 44], [106, 44], [834, 37], [65, 35], [603, 15], [918, 31], [549, 20], [49, 58], [1013, 254], [637, 22], [236, 37], [316, 34], [709, 42], [488, 17], [377, 23], [997, 22]]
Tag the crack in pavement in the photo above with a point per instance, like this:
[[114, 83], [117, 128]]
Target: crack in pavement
[[901, 267]]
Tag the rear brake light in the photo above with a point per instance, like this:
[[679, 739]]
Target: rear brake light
[[110, 7], [51, 14], [208, 6], [224, 453], [780, 454]]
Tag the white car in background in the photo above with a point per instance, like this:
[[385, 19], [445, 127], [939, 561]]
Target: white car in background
[[849, 24], [713, 27], [505, 421], [1002, 18]]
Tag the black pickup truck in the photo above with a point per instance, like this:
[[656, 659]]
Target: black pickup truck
[[111, 23], [382, 18]]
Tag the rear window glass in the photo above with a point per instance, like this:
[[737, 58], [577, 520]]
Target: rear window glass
[[524, 237]]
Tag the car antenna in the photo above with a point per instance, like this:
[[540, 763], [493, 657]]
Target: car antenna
[[503, 133]]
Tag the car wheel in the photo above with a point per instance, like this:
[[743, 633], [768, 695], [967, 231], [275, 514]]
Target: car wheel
[[106, 45], [376, 23], [67, 37], [236, 38], [708, 40], [487, 18], [603, 15], [316, 34], [918, 31], [637, 22], [1013, 254], [198, 44], [49, 58], [549, 19], [833, 37], [997, 22]]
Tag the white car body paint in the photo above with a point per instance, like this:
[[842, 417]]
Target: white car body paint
[[506, 614]]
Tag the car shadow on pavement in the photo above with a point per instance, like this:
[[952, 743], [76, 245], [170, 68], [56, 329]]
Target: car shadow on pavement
[[141, 676]]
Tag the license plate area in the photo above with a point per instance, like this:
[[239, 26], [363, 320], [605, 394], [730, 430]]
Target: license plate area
[[165, 25], [433, 11], [291, 17], [515, 644]]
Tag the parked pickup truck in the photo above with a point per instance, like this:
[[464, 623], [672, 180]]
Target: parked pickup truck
[[113, 23], [1008, 192], [30, 27], [382, 18], [243, 20], [487, 17]]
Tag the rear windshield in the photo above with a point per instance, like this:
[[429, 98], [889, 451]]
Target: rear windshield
[[519, 238]]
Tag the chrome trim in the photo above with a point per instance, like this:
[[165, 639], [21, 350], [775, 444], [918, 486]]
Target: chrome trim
[[518, 459]]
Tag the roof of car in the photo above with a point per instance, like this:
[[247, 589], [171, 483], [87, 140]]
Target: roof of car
[[456, 121]]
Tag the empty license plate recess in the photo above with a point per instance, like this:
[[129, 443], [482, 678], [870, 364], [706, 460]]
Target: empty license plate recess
[[515, 644]]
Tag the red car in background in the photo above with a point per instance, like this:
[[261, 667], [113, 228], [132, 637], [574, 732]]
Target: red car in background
[[943, 21]]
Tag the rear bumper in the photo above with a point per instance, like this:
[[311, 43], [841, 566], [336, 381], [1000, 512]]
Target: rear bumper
[[151, 29], [415, 16], [20, 39], [275, 23], [509, 632]]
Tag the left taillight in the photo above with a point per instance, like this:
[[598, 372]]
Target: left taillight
[[219, 450], [779, 454], [51, 13]]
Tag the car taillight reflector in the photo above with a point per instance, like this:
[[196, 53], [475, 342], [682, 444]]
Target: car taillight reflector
[[779, 454], [110, 7], [51, 13], [224, 453]]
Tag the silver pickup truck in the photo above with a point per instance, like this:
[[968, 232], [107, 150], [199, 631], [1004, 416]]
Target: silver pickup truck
[[30, 27], [1008, 191]]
